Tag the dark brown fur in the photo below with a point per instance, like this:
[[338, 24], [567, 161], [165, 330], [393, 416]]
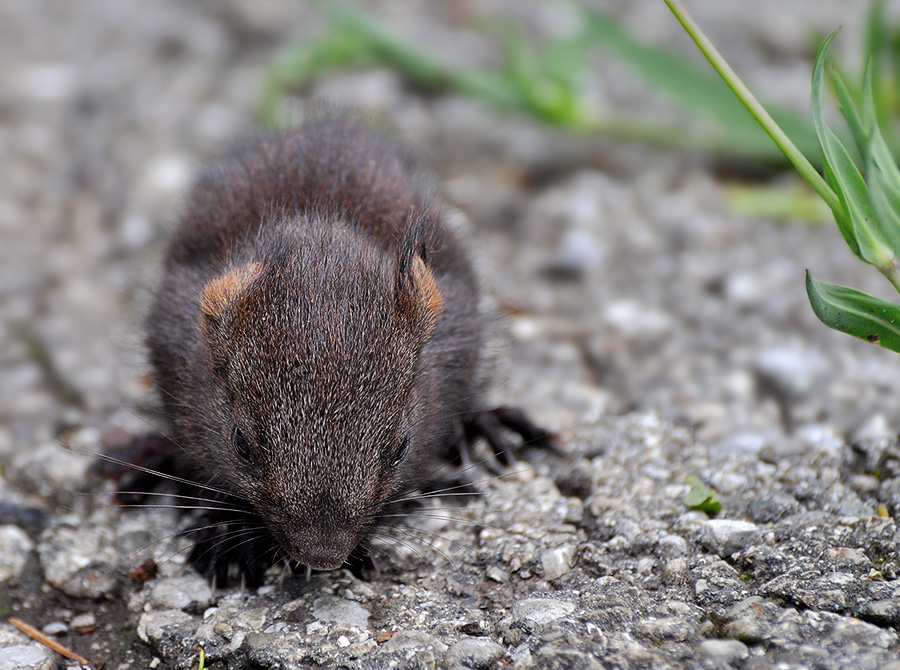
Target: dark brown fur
[[315, 316]]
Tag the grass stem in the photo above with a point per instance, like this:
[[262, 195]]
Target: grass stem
[[793, 154]]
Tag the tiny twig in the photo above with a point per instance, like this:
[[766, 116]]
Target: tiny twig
[[37, 635]]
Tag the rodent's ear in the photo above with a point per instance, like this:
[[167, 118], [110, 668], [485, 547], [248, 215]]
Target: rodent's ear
[[222, 291], [417, 292]]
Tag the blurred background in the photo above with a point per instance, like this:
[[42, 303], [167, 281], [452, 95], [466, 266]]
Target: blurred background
[[643, 244]]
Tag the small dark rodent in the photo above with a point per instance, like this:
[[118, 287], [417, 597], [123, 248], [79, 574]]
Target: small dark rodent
[[316, 339]]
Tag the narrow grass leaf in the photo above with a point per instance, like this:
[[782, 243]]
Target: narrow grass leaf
[[297, 64], [698, 89], [841, 217], [885, 199], [877, 43], [855, 313], [778, 203], [858, 127], [868, 103], [852, 191], [843, 176], [882, 177]]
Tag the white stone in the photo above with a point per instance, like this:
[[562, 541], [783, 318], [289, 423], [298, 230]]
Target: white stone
[[15, 547]]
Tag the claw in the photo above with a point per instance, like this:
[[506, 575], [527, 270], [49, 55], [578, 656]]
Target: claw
[[489, 424]]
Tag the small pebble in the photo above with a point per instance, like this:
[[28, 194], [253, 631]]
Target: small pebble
[[341, 611], [83, 620], [726, 536], [557, 562], [15, 548], [727, 652], [55, 628], [474, 653]]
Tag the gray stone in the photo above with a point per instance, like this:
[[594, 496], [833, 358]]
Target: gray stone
[[666, 628], [554, 656], [542, 610], [881, 612], [772, 507], [413, 639], [675, 571], [787, 373], [672, 546], [530, 616], [497, 574], [477, 653], [152, 626], [55, 628], [80, 561], [876, 427], [637, 321], [83, 620], [728, 652], [341, 611], [727, 536], [27, 657], [558, 561], [578, 253], [15, 548], [179, 593]]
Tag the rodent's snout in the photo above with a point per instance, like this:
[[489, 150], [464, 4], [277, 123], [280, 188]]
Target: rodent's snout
[[319, 549]]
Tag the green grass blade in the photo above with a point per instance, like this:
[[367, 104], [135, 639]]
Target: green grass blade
[[855, 313], [869, 108], [777, 203], [877, 45], [696, 88], [884, 192], [297, 64], [745, 95], [842, 174], [416, 62], [842, 218], [859, 128]]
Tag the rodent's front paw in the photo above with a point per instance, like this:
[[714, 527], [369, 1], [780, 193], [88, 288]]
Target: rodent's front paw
[[490, 424]]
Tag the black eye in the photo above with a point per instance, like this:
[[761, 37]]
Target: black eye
[[401, 450], [241, 444]]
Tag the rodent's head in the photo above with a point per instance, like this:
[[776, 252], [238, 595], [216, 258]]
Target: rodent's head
[[313, 346]]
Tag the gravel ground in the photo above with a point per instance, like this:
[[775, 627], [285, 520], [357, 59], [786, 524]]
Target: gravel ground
[[660, 334]]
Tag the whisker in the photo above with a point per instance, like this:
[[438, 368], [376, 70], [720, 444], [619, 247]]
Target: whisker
[[446, 491], [181, 496], [401, 542], [182, 507], [254, 532], [163, 475], [177, 533], [418, 538]]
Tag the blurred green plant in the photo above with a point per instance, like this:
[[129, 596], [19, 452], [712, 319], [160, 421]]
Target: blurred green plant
[[702, 498], [865, 202], [881, 42], [542, 79]]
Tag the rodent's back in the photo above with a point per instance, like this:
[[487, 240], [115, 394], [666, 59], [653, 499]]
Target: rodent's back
[[316, 333]]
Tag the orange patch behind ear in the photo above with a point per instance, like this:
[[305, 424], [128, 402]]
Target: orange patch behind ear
[[428, 289], [225, 289], [419, 298]]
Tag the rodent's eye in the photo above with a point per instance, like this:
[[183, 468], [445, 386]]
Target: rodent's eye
[[241, 444], [401, 450]]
